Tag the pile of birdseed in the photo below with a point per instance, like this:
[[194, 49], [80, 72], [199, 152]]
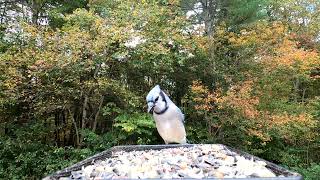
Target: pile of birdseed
[[200, 161]]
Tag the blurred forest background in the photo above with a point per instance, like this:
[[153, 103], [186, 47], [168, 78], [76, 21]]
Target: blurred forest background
[[74, 76]]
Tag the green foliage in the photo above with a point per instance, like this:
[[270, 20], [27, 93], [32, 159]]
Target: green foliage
[[240, 13], [137, 128], [98, 143], [25, 153], [310, 173], [198, 133], [3, 43]]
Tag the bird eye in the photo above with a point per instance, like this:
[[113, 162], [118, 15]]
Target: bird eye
[[157, 98]]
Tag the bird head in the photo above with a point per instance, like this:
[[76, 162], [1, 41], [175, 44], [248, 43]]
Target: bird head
[[157, 100]]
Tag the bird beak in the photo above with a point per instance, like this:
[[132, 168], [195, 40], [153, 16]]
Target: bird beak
[[150, 107]]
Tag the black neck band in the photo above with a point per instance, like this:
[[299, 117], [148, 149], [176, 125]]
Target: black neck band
[[163, 111], [166, 104]]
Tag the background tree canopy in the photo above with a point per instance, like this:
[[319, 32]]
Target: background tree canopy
[[74, 76]]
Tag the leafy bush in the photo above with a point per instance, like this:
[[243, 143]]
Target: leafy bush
[[309, 173], [24, 153], [136, 128]]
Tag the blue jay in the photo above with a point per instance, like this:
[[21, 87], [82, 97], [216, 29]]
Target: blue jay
[[168, 117]]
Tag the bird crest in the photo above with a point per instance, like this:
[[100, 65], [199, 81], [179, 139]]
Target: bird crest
[[153, 92]]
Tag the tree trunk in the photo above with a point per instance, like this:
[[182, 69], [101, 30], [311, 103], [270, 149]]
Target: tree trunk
[[210, 15], [84, 115], [97, 114], [296, 89], [303, 95], [76, 129]]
